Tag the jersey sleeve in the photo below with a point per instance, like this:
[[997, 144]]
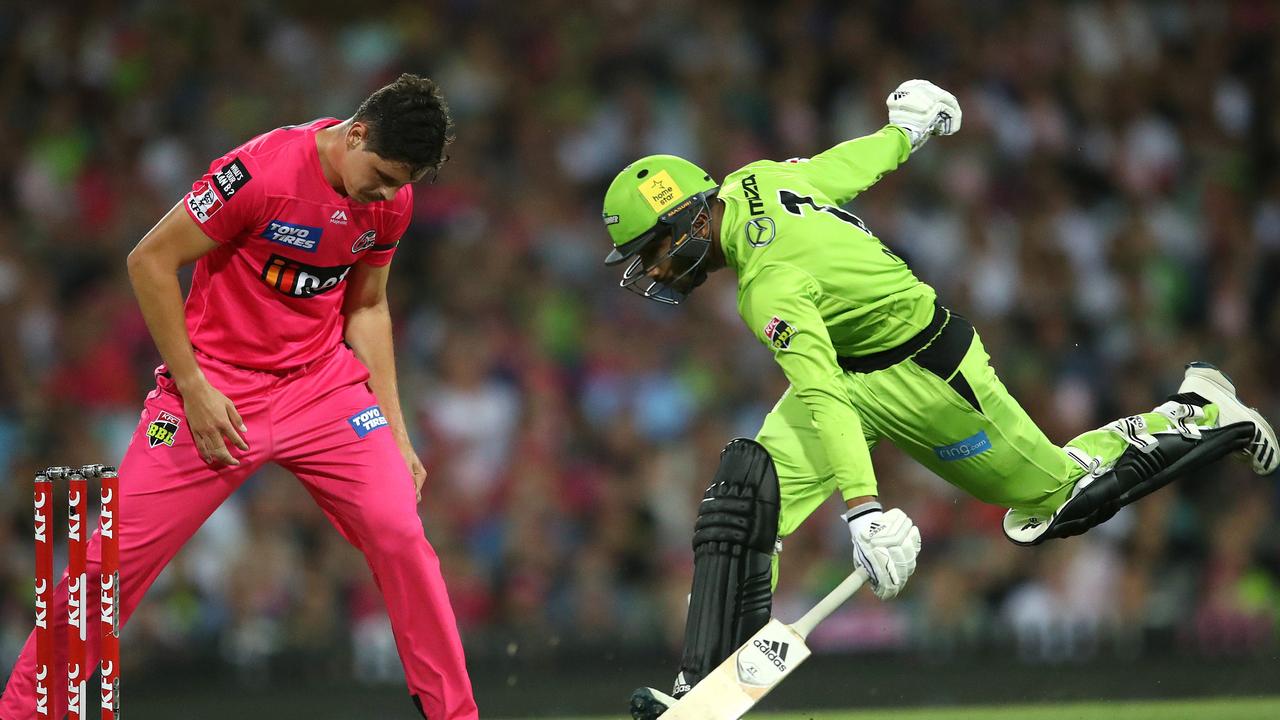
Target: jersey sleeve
[[855, 165], [779, 307], [384, 246], [227, 202]]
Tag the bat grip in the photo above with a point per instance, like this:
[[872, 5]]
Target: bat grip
[[828, 604]]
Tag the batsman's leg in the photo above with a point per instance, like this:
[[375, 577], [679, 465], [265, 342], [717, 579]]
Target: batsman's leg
[[1137, 455], [761, 493], [947, 409], [734, 538]]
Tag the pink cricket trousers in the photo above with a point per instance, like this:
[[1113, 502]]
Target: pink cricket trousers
[[322, 423]]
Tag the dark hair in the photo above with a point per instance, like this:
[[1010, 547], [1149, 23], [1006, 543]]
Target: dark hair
[[408, 122]]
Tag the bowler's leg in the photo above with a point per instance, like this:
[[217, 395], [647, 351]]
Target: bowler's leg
[[166, 493], [360, 480]]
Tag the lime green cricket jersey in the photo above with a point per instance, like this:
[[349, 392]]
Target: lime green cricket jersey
[[814, 283]]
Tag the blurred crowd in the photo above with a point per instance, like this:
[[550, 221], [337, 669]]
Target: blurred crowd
[[1110, 211]]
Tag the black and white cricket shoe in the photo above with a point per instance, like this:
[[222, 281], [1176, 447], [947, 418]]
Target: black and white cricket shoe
[[1213, 385], [648, 704]]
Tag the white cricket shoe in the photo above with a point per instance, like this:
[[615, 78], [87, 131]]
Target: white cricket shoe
[[1213, 385]]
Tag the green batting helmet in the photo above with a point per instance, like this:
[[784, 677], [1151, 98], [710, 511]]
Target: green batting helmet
[[652, 196]]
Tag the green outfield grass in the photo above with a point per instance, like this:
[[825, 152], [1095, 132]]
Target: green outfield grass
[[1219, 709]]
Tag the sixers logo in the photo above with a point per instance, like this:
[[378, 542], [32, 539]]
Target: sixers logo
[[364, 242], [296, 279]]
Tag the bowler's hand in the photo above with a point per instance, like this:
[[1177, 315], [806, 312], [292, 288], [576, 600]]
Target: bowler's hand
[[416, 468], [213, 420]]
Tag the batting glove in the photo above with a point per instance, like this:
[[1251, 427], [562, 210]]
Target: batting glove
[[922, 110], [885, 544]]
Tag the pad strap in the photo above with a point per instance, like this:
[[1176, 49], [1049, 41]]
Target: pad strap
[[1134, 430], [1184, 417]]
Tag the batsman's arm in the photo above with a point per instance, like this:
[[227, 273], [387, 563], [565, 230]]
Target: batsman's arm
[[368, 332], [153, 265], [778, 306], [847, 169]]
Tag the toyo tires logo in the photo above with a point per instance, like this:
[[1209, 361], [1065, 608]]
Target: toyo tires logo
[[367, 420], [303, 237]]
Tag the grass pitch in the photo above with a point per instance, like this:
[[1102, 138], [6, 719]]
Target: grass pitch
[[1217, 709]]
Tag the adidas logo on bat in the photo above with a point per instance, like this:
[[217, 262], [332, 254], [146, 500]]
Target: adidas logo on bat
[[775, 651], [765, 666]]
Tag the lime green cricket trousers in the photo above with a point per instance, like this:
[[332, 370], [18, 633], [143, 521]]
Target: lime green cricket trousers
[[941, 403]]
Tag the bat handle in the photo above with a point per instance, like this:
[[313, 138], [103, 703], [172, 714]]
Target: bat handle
[[828, 604]]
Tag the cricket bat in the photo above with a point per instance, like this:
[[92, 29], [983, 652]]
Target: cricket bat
[[757, 667]]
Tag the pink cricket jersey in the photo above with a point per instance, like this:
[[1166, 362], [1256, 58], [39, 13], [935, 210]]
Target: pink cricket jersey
[[270, 296]]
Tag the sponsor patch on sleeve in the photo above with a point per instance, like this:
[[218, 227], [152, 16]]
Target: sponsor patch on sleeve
[[231, 178], [367, 420], [203, 201], [163, 430], [779, 333]]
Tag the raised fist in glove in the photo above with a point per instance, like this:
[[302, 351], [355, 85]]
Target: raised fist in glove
[[885, 544], [923, 109]]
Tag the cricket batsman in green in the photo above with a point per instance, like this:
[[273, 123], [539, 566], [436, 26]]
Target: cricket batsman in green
[[871, 354]]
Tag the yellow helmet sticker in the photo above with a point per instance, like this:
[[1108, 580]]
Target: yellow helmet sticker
[[660, 191]]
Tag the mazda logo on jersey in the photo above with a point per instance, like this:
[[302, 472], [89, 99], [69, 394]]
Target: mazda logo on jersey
[[761, 231], [296, 279], [303, 237]]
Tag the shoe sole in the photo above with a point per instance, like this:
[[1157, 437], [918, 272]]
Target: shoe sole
[[1214, 385]]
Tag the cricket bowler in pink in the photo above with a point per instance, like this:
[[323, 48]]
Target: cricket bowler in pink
[[283, 354]]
